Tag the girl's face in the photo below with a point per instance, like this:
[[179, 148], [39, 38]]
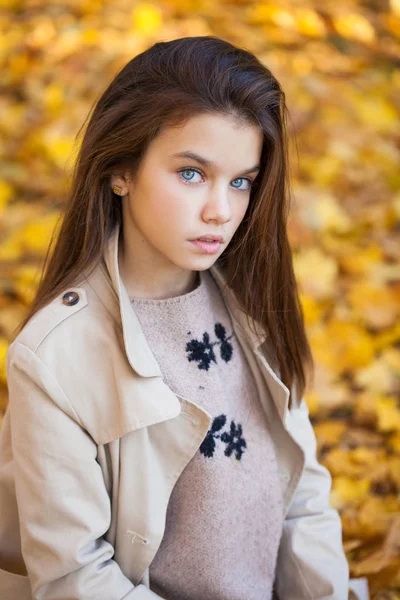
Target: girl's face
[[174, 199]]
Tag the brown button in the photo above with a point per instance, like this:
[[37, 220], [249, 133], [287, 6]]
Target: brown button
[[70, 298]]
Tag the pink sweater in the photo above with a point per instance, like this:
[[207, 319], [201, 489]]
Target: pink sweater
[[225, 514]]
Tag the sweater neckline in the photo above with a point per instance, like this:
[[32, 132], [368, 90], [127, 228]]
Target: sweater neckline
[[174, 299]]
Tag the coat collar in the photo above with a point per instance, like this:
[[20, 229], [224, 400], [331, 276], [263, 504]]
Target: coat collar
[[137, 348], [106, 282]]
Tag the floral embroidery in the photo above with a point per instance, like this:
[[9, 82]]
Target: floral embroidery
[[233, 439], [202, 351], [208, 445]]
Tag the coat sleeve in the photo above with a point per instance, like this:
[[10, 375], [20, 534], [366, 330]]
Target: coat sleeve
[[63, 506], [311, 559]]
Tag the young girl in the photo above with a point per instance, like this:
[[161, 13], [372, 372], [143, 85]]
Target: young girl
[[156, 442]]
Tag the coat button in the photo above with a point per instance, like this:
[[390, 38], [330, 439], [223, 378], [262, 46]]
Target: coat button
[[70, 298]]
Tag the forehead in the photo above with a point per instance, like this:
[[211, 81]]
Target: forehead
[[218, 138]]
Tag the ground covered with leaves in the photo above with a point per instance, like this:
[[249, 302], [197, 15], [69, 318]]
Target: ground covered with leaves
[[338, 62]]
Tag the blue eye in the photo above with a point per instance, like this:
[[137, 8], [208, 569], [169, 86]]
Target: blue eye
[[244, 179], [188, 171], [182, 172]]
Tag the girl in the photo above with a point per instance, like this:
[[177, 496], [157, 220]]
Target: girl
[[156, 442]]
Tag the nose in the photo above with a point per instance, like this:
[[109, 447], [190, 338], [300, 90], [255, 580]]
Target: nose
[[217, 207]]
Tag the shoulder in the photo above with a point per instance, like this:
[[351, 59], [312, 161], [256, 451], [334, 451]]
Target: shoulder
[[68, 331], [48, 321], [72, 349]]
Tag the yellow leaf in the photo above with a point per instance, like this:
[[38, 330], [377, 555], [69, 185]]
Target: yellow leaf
[[264, 13], [377, 377], [328, 392], [259, 13], [311, 309], [394, 443], [364, 410], [12, 117], [346, 489], [375, 111], [361, 260], [353, 463], [316, 272], [26, 292], [282, 18], [388, 414], [26, 274], [36, 234], [42, 34], [326, 169], [312, 401], [53, 97], [377, 514], [25, 281], [391, 357], [302, 65], [146, 18], [10, 249], [324, 213], [354, 26], [329, 432], [395, 7], [6, 192], [387, 338], [59, 148], [91, 37], [10, 4], [342, 345], [378, 307], [310, 23], [369, 518], [367, 456], [18, 64]]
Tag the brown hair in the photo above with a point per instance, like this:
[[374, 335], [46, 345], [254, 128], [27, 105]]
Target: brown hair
[[164, 86]]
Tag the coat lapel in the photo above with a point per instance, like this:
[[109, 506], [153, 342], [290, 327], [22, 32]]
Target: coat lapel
[[137, 349], [109, 286]]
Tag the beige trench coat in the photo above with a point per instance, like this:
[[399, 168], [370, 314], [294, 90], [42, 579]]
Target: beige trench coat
[[93, 441]]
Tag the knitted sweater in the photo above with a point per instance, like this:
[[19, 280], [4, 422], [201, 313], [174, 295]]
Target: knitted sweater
[[225, 514]]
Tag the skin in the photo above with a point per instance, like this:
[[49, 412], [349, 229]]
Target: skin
[[167, 203]]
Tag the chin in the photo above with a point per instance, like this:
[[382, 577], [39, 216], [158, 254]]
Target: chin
[[201, 264]]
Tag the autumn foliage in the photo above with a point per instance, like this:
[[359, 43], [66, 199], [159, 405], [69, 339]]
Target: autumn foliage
[[339, 65]]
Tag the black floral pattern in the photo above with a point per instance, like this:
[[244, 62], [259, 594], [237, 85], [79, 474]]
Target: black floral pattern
[[233, 439], [208, 445], [202, 350]]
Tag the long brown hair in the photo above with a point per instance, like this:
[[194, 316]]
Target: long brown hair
[[164, 86]]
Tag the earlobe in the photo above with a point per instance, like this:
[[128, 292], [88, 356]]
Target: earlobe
[[117, 190], [119, 184]]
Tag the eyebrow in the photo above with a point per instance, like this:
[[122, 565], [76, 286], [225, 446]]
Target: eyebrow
[[206, 162]]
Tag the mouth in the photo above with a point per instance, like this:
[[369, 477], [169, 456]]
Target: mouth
[[207, 246]]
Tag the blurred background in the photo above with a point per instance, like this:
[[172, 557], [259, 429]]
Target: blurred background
[[339, 64]]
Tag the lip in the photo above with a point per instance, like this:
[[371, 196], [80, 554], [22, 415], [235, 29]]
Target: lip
[[207, 247], [217, 237]]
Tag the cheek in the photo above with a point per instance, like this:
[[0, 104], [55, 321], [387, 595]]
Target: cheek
[[241, 209], [160, 206], [170, 203], [174, 202]]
